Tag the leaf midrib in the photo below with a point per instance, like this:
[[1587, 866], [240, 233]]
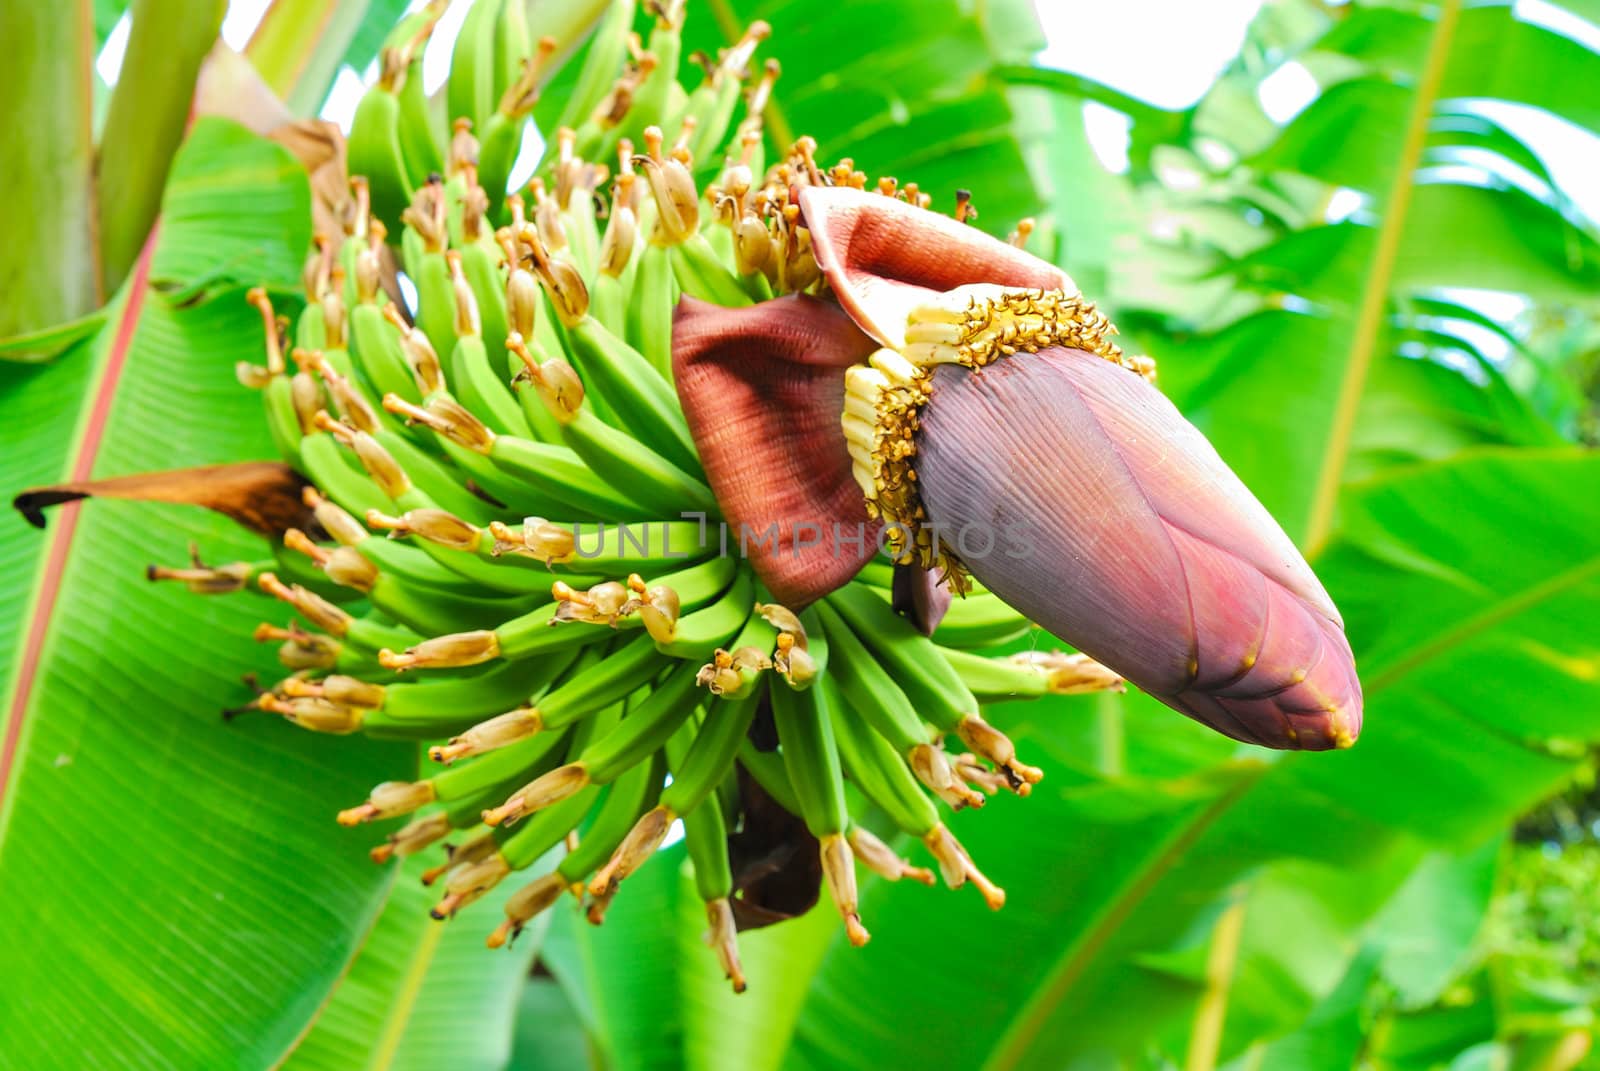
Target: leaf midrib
[[1375, 294], [1015, 1044], [1483, 620], [387, 1043], [94, 412]]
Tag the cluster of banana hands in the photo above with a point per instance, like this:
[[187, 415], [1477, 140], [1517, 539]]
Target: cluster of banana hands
[[506, 552]]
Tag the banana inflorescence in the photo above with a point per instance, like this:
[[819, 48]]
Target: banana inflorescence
[[516, 557]]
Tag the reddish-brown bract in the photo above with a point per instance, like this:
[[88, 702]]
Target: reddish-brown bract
[[884, 257], [762, 388]]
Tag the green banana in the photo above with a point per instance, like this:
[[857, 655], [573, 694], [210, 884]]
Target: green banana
[[766, 768], [599, 681], [649, 313], [698, 635], [374, 144], [477, 384], [480, 263], [712, 754], [929, 681], [644, 730], [811, 758], [549, 827], [464, 550], [601, 548], [277, 394], [532, 633], [702, 274], [630, 795], [622, 802], [980, 621], [644, 402], [607, 50], [474, 64], [442, 701], [376, 347], [514, 43], [880, 700], [330, 469], [418, 143], [655, 485], [646, 727], [652, 100], [705, 835], [875, 769], [713, 111]]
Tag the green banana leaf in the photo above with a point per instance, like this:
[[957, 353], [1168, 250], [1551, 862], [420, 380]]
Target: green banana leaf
[[907, 97], [423, 994], [177, 900]]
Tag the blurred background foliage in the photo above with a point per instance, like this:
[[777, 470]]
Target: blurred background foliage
[[1380, 307]]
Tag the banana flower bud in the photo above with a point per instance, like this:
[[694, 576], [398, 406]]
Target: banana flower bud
[[961, 401]]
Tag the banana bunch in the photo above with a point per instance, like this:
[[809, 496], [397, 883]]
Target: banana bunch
[[516, 560]]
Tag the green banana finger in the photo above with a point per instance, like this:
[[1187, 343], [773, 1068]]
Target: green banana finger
[[766, 768], [714, 113], [875, 769], [481, 266], [374, 143], [715, 747], [489, 770], [375, 345], [439, 701], [599, 681], [980, 621], [696, 636], [547, 828], [658, 485], [469, 92], [514, 43], [881, 701], [1029, 674], [331, 470], [560, 473], [705, 835], [649, 312], [607, 50], [864, 682], [624, 799], [466, 551], [644, 402], [811, 757], [479, 387], [532, 633], [930, 683], [418, 145], [652, 101], [645, 728], [469, 443], [628, 797], [701, 274], [641, 547]]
